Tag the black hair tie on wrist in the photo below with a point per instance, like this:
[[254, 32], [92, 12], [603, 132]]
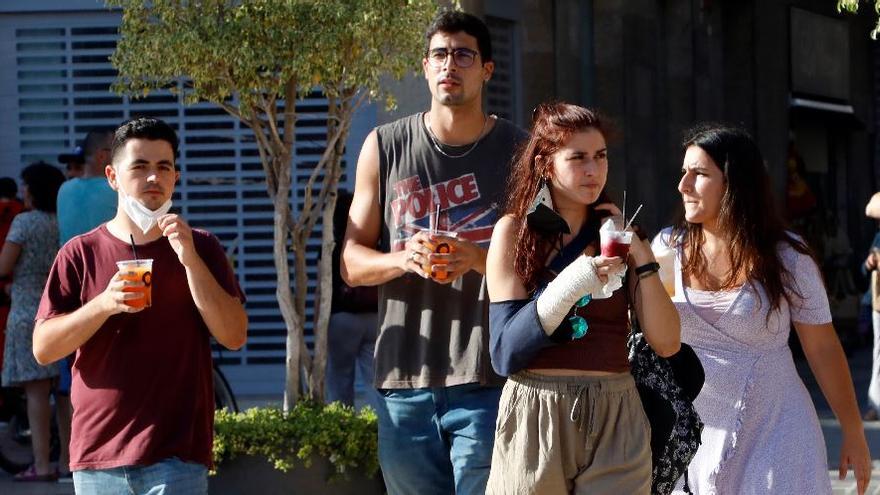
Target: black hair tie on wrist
[[647, 269]]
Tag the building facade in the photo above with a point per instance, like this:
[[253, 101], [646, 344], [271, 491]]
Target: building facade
[[797, 74], [794, 72], [58, 89]]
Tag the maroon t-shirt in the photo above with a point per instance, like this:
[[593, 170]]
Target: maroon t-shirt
[[142, 385]]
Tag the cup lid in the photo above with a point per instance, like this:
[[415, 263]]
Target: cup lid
[[138, 262]]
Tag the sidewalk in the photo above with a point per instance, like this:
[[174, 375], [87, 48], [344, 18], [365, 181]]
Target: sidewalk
[[848, 485], [860, 366], [9, 487]]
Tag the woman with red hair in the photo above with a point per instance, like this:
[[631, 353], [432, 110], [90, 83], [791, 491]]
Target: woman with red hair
[[570, 418]]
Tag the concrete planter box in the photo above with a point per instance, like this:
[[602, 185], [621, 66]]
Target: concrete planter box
[[252, 474]]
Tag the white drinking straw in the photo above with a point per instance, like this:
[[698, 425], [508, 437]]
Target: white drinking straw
[[624, 206], [633, 217]]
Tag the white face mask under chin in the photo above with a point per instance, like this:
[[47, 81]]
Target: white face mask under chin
[[142, 216]]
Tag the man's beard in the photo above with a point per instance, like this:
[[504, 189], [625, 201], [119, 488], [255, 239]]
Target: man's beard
[[452, 100]]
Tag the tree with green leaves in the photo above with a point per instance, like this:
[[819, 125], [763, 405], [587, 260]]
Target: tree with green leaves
[[254, 59], [852, 6]]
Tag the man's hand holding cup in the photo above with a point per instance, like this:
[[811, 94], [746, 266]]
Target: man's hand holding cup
[[441, 256], [123, 295], [416, 253]]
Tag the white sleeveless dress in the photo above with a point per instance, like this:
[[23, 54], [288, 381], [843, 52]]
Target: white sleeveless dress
[[761, 432]]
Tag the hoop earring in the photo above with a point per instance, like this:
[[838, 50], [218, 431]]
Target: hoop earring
[[542, 217]]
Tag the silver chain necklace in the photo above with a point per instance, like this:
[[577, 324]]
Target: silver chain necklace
[[436, 142]]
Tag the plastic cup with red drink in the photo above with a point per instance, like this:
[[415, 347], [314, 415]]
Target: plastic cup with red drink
[[614, 240]]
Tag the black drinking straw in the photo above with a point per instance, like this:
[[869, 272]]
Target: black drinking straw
[[133, 249]]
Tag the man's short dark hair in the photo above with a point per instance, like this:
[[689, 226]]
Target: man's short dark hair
[[144, 128], [456, 21], [95, 140]]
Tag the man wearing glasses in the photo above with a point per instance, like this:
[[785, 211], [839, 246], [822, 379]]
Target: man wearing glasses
[[426, 198]]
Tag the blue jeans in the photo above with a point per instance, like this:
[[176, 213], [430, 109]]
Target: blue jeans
[[65, 378], [437, 440], [168, 477], [351, 339]]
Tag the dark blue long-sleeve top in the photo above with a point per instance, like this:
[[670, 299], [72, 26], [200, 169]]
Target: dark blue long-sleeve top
[[515, 332]]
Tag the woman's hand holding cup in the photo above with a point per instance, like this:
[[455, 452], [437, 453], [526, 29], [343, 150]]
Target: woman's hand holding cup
[[640, 252], [606, 265]]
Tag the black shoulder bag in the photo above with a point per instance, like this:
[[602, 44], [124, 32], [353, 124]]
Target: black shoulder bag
[[667, 387]]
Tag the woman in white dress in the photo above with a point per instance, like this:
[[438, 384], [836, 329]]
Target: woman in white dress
[[741, 281]]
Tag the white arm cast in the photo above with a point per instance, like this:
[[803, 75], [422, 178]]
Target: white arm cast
[[576, 280]]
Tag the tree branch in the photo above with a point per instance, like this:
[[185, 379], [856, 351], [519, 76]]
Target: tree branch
[[308, 212], [329, 162], [290, 114], [231, 110], [265, 158], [271, 112]]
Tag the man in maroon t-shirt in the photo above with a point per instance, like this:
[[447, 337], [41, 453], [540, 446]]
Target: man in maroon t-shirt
[[142, 389]]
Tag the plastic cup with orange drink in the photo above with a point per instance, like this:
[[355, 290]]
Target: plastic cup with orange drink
[[138, 271], [440, 248]]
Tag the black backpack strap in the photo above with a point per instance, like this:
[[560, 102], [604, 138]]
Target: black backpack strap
[[687, 488], [571, 251]]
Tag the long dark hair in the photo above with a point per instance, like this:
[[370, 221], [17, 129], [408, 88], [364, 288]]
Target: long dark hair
[[43, 182], [748, 219], [553, 125]]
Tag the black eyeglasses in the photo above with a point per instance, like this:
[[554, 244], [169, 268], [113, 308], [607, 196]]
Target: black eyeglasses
[[463, 57]]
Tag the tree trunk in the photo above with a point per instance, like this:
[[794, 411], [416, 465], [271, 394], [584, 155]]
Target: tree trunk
[[333, 172], [293, 302], [319, 364], [281, 203], [277, 165], [301, 288]]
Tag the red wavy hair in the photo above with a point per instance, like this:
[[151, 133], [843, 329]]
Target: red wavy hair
[[553, 124]]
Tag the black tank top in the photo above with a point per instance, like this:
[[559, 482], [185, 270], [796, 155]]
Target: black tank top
[[434, 335]]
